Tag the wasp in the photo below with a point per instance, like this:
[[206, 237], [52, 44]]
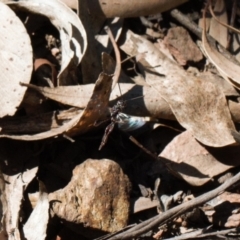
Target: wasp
[[115, 118]]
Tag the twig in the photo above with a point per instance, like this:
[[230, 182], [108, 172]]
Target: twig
[[117, 55], [164, 164], [204, 233], [134, 140], [176, 211], [107, 236]]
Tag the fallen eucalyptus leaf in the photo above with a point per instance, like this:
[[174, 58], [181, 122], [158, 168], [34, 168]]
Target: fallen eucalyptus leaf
[[124, 9], [195, 163], [200, 106], [72, 34], [47, 134], [83, 121], [96, 107], [36, 226], [143, 203], [217, 30], [16, 60], [19, 167], [226, 68]]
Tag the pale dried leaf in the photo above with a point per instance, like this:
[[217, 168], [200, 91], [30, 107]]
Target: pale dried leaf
[[14, 194], [143, 203], [217, 30], [36, 226], [16, 60], [199, 106], [72, 33], [195, 163], [226, 68]]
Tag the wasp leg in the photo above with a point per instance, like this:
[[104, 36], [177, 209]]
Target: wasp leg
[[108, 130]]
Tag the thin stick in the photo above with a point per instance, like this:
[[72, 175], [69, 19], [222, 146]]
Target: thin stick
[[117, 55], [176, 211], [201, 233], [134, 140]]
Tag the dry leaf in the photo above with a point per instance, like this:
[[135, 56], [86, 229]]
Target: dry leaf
[[50, 133], [72, 34], [16, 60], [199, 106], [217, 30], [14, 194], [149, 105], [226, 68], [83, 121], [124, 9], [19, 168], [37, 123], [195, 163], [224, 210], [36, 226], [143, 203], [96, 107]]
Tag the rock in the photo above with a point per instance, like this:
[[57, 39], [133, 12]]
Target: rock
[[97, 196]]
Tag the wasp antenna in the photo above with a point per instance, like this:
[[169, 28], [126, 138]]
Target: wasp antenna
[[120, 91], [135, 98]]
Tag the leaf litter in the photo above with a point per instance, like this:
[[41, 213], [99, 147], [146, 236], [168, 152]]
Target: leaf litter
[[15, 46], [188, 142]]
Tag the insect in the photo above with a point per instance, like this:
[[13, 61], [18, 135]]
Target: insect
[[114, 113], [125, 122]]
